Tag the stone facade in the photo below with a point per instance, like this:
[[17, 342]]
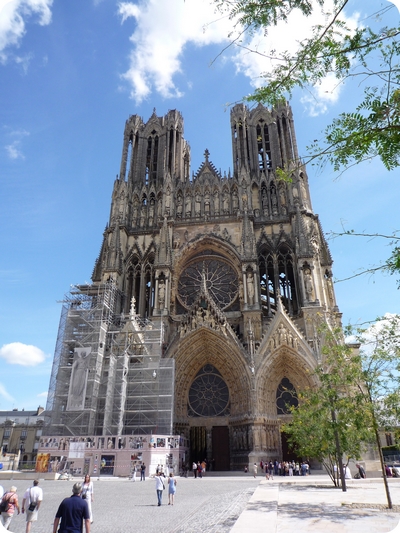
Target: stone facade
[[235, 266]]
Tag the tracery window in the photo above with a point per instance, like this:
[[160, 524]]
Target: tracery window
[[263, 147], [286, 397], [208, 394], [277, 277], [220, 279]]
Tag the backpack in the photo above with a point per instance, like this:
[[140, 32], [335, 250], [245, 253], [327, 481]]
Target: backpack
[[5, 503]]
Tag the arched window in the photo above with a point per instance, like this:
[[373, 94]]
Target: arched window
[[134, 276], [287, 285], [286, 397], [277, 278]]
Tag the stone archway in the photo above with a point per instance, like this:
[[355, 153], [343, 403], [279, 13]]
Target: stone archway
[[284, 366], [207, 352]]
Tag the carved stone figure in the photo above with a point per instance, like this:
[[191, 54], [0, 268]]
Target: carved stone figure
[[250, 288], [197, 204], [216, 202], [226, 202], [161, 294], [188, 205], [235, 201], [179, 206], [308, 285]]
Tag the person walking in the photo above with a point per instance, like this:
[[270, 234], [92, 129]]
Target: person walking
[[72, 512], [194, 468], [255, 469], [11, 501], [361, 471], [159, 488], [87, 494], [31, 502], [171, 489], [143, 472]]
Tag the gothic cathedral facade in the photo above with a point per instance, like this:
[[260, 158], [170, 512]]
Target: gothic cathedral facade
[[235, 271]]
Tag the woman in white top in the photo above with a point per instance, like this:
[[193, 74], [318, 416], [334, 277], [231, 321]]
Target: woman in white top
[[87, 494]]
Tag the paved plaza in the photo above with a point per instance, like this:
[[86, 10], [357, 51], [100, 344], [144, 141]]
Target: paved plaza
[[232, 503]]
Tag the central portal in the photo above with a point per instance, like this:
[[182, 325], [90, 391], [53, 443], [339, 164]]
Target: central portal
[[215, 450]]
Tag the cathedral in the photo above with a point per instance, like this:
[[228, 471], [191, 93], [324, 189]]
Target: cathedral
[[203, 313]]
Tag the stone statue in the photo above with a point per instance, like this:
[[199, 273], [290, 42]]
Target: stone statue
[[151, 211], [188, 205], [264, 201], [207, 203], [197, 204], [308, 285], [168, 202], [226, 202], [235, 201], [216, 202], [179, 206], [161, 294], [250, 288]]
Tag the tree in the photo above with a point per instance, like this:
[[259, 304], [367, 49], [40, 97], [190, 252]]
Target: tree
[[359, 395], [332, 420], [372, 129], [381, 378]]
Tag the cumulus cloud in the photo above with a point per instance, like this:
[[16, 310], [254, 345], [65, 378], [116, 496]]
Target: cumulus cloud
[[13, 17], [163, 28], [17, 353]]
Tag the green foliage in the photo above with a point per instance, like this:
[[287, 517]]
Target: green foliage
[[373, 128], [337, 408]]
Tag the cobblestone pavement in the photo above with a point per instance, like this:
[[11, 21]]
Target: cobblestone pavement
[[208, 504], [232, 503]]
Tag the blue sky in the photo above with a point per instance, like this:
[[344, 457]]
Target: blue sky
[[70, 75]]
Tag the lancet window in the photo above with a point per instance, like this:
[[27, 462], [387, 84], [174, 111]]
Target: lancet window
[[277, 277], [141, 286], [263, 147], [151, 158]]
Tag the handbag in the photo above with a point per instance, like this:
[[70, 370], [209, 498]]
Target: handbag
[[32, 505]]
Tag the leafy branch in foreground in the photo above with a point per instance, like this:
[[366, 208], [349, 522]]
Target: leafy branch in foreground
[[390, 265], [333, 48]]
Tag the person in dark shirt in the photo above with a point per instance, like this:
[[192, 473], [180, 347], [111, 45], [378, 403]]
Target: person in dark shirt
[[361, 471], [72, 512]]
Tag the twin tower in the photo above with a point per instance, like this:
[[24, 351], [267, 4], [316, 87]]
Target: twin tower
[[203, 314]]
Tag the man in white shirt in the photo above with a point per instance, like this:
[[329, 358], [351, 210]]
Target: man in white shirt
[[32, 500]]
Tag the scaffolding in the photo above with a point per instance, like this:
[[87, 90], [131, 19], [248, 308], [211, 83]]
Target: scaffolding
[[128, 387]]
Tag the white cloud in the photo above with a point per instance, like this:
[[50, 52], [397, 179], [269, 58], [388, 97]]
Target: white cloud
[[17, 353], [14, 148], [5, 394], [43, 394], [14, 151], [164, 27], [13, 17]]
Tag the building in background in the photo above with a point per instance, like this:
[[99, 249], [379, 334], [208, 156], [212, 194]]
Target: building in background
[[203, 313], [20, 433]]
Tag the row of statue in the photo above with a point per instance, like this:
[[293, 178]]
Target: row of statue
[[283, 336], [202, 317]]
